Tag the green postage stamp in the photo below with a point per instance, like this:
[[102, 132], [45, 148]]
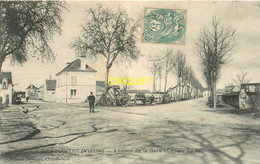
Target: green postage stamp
[[164, 26]]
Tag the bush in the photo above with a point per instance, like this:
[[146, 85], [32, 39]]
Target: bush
[[210, 102]]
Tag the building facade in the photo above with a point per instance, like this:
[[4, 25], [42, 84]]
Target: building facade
[[249, 97], [246, 97], [6, 87], [75, 82], [48, 91], [184, 92], [32, 92], [206, 93]]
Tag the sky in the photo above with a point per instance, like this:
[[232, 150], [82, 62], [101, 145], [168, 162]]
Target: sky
[[242, 16]]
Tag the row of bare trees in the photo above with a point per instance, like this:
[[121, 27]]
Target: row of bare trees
[[27, 27], [174, 63]]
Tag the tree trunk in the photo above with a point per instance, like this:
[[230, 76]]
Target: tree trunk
[[154, 82], [1, 64], [160, 82], [179, 89], [1, 99], [106, 80], [165, 83], [182, 86], [214, 94], [190, 90]]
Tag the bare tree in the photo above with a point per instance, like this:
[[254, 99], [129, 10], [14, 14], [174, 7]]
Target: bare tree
[[27, 27], [188, 74], [214, 45], [192, 82], [111, 34], [178, 69], [159, 70], [125, 76], [197, 85], [169, 62], [187, 78], [153, 68], [241, 78]]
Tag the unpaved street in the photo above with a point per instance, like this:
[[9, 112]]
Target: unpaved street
[[180, 132]]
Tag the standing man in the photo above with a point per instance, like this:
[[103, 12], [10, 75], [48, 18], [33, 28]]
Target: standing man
[[7, 100], [27, 98], [91, 100]]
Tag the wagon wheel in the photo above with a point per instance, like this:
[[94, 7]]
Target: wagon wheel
[[123, 101], [107, 102], [113, 102], [144, 101]]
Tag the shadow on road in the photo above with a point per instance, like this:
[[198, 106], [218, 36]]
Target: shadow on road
[[196, 142], [205, 143]]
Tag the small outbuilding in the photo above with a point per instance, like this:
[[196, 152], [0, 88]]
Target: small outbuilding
[[32, 92]]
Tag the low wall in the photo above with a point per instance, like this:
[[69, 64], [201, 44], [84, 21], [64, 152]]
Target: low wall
[[231, 99]]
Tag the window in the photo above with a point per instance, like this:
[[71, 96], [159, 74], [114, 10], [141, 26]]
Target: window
[[86, 66], [4, 84], [242, 93], [251, 88], [73, 80], [73, 93]]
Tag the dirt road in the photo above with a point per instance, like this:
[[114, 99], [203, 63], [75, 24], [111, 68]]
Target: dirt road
[[180, 132]]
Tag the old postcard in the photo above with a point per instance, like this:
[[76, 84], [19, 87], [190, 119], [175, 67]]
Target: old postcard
[[135, 82]]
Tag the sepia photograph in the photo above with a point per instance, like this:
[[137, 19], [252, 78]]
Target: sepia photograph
[[129, 82]]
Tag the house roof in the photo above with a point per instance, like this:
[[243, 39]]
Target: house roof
[[232, 88], [229, 88], [157, 92], [236, 89], [220, 91], [244, 84], [138, 91], [205, 89], [176, 86], [7, 75], [50, 84], [75, 66], [32, 87], [231, 93], [114, 86]]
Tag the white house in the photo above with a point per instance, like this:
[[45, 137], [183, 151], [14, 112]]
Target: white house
[[6, 87], [206, 93], [183, 91], [173, 92], [75, 82], [47, 90]]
